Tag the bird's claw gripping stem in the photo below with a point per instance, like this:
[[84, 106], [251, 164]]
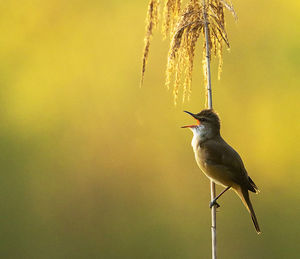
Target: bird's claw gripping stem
[[214, 203]]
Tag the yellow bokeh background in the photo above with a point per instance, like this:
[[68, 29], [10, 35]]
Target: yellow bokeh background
[[92, 166]]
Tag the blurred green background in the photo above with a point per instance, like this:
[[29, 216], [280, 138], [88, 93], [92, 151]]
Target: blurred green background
[[92, 166]]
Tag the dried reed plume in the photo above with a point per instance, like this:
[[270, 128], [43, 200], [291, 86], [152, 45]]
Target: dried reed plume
[[185, 27], [151, 23]]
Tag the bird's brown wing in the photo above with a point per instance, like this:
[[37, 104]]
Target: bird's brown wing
[[223, 162]]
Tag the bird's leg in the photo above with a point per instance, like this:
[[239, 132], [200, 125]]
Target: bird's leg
[[214, 201]]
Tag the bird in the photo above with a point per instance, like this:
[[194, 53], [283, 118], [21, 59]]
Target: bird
[[219, 161]]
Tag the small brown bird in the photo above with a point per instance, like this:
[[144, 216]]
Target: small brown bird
[[219, 161]]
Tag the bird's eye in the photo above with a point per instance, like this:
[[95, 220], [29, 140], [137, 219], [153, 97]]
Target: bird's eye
[[203, 119]]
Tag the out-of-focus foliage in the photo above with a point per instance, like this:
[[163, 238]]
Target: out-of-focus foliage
[[92, 166]]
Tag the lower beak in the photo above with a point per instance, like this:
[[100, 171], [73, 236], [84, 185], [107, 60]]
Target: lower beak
[[189, 126]]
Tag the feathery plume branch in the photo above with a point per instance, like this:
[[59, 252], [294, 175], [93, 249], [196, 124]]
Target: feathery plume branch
[[151, 23], [185, 27]]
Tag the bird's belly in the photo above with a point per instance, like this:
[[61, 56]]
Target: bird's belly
[[216, 174]]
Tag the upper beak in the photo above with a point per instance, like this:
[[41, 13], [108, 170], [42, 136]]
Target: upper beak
[[194, 116]]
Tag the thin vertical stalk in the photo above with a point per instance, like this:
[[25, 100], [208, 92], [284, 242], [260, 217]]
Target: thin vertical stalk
[[209, 104]]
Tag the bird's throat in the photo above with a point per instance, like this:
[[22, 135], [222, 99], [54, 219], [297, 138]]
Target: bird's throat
[[201, 133]]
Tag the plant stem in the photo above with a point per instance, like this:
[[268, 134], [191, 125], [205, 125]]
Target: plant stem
[[209, 104]]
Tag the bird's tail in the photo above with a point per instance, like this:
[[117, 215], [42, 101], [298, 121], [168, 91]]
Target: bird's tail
[[244, 195]]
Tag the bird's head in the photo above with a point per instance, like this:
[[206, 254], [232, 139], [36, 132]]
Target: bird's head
[[207, 120]]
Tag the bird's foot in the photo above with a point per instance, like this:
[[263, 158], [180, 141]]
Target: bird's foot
[[214, 203]]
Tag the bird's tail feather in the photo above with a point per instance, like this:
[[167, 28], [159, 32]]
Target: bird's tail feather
[[252, 186], [244, 195]]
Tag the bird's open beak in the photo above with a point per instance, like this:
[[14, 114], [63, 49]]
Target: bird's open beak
[[194, 116]]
